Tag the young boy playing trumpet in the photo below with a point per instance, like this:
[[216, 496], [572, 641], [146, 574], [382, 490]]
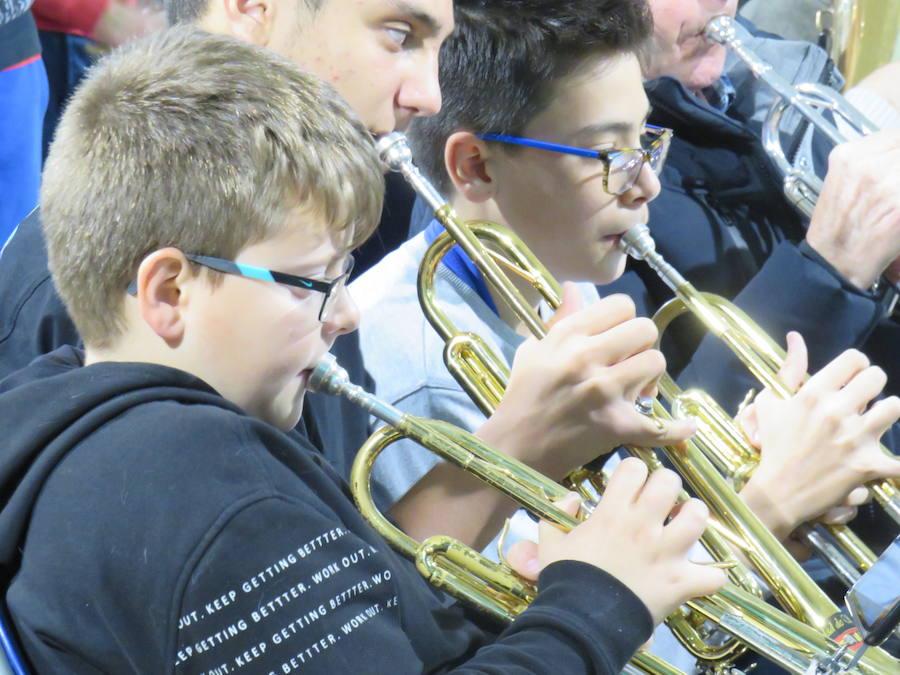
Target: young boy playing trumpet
[[543, 130], [159, 513]]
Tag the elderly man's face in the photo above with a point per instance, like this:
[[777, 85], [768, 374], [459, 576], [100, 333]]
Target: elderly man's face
[[680, 50]]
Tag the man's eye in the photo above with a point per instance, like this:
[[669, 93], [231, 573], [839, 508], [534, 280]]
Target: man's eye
[[398, 34]]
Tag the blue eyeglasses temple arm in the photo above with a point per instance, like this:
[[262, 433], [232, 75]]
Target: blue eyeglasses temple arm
[[556, 147], [541, 145]]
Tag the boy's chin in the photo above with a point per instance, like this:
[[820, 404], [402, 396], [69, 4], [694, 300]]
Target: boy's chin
[[286, 418], [610, 271]]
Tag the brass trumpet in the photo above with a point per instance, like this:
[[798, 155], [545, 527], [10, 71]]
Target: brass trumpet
[[486, 379], [465, 574], [763, 358]]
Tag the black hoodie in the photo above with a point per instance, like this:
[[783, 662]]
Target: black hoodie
[[150, 526]]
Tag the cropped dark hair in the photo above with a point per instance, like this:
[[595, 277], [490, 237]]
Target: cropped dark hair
[[189, 11], [499, 68]]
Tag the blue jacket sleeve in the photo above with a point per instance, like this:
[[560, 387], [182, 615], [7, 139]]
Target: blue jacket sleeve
[[794, 290]]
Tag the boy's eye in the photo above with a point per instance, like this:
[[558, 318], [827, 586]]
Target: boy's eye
[[398, 33]]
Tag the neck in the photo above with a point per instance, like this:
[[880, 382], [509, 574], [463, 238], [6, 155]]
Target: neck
[[488, 211]]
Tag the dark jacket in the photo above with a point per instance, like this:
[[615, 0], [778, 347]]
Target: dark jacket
[[153, 527], [34, 321], [723, 222], [18, 34]]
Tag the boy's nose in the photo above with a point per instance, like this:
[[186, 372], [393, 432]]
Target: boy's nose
[[344, 316]]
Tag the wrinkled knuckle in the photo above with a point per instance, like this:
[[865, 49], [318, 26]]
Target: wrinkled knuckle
[[809, 398], [579, 365], [600, 388], [832, 417]]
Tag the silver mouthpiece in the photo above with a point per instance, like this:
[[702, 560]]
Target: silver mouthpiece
[[393, 148], [328, 377], [637, 242], [721, 29]]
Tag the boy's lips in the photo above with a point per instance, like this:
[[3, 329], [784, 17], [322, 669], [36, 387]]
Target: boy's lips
[[615, 237]]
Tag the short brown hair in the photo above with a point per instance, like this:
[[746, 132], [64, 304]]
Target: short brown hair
[[200, 142]]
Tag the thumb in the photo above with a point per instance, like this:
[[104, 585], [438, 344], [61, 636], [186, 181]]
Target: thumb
[[550, 533], [571, 303], [796, 362], [524, 560]]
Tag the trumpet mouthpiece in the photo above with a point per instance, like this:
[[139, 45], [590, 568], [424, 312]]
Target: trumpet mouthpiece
[[393, 148], [720, 29], [637, 242], [328, 377]]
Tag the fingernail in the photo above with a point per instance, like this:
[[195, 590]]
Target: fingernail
[[533, 566]]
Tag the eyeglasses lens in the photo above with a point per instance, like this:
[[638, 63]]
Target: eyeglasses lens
[[624, 169], [339, 287]]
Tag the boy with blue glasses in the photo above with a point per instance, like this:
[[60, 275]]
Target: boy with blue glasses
[[543, 129]]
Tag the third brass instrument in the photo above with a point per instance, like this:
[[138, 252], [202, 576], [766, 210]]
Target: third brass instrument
[[763, 358], [801, 185]]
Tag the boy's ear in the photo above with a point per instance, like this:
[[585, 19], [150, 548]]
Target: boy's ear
[[161, 293], [465, 159], [250, 20]]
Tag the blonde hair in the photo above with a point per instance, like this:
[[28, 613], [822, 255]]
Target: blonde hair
[[200, 142]]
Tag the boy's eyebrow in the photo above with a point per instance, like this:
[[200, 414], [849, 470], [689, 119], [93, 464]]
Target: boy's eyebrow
[[410, 9], [591, 131]]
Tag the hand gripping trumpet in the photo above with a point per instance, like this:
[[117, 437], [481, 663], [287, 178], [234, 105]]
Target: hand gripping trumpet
[[484, 375], [763, 358], [465, 574]]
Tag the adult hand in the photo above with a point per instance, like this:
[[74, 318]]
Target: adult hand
[[856, 224], [571, 395]]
